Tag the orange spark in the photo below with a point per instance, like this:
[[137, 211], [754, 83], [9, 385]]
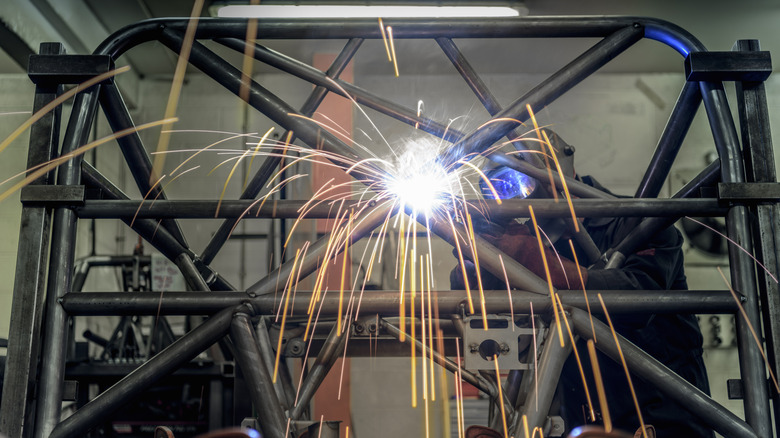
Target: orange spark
[[625, 367], [547, 272], [594, 361]]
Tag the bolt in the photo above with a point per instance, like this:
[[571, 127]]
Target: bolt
[[359, 327], [372, 328], [504, 348], [473, 348]]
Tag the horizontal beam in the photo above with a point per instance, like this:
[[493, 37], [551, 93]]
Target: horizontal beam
[[253, 209], [386, 302]]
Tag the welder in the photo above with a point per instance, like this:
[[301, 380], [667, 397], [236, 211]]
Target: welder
[[673, 339]]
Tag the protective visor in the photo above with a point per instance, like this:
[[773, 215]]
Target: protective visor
[[508, 184]]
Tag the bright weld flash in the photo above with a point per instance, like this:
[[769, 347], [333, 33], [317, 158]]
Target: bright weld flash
[[420, 182]]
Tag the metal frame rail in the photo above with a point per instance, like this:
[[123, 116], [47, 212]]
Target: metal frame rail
[[35, 369]]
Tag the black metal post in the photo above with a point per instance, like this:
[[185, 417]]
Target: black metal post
[[61, 269], [26, 311], [760, 167], [743, 274]]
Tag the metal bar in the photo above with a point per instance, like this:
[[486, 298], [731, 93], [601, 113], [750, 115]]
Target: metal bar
[[361, 96], [63, 247], [331, 351], [670, 142], [477, 381], [647, 367], [536, 406], [509, 208], [760, 167], [269, 165], [191, 275], [161, 239], [549, 90], [267, 103], [524, 27], [160, 365], [133, 150], [28, 296], [743, 274], [479, 88], [492, 259], [272, 419], [283, 387], [647, 228], [317, 251], [386, 302]]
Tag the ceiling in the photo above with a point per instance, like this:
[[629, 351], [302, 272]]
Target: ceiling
[[82, 24]]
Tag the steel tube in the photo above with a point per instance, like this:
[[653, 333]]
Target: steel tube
[[549, 90], [525, 27], [267, 351], [133, 150], [760, 167], [670, 142], [163, 363], [267, 103], [647, 228], [491, 258], [331, 350], [269, 165], [63, 249], [346, 89], [743, 274], [317, 251], [386, 302], [21, 366], [647, 367], [509, 208], [536, 406], [272, 420], [161, 239], [469, 377]]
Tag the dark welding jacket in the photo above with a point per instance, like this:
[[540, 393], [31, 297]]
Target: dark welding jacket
[[673, 339]]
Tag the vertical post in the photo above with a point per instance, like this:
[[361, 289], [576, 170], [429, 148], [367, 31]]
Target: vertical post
[[64, 224], [23, 338], [743, 273], [760, 167], [536, 406], [260, 384]]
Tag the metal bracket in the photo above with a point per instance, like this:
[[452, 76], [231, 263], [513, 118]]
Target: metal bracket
[[728, 66], [53, 196], [68, 69], [502, 338], [734, 389], [743, 192]]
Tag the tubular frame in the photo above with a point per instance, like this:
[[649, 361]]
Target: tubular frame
[[27, 413]]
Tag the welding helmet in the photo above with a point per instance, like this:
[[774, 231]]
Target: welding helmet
[[509, 183]]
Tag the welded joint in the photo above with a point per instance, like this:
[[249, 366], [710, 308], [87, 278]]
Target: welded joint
[[53, 196]]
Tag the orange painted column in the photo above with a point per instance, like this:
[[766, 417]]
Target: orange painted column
[[332, 400]]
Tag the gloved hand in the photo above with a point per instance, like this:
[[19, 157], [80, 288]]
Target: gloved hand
[[519, 243]]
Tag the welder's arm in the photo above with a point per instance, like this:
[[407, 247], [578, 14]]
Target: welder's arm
[[655, 267], [518, 243]]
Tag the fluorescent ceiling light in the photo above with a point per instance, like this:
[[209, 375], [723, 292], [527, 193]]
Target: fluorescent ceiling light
[[343, 11]]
